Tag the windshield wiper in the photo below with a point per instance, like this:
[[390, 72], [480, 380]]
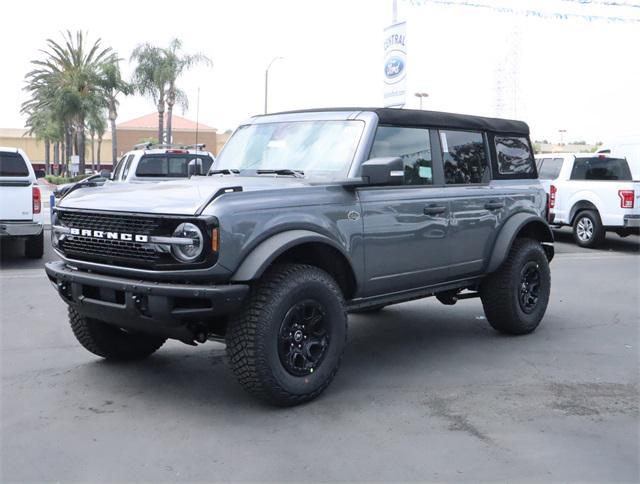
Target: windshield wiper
[[283, 171], [225, 171]]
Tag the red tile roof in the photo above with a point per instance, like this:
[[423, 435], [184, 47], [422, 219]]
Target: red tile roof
[[151, 121]]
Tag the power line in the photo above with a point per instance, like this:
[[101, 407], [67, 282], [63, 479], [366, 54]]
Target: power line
[[528, 13], [604, 3]]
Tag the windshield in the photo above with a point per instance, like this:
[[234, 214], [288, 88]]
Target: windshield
[[319, 149], [170, 165]]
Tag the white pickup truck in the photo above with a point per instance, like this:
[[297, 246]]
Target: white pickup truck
[[594, 193], [20, 202]]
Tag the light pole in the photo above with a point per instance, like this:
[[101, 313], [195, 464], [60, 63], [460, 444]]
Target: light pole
[[562, 132], [266, 82], [421, 95]]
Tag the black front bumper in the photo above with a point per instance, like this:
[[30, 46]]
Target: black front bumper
[[172, 310]]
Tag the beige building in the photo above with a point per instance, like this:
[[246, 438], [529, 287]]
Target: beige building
[[129, 133], [184, 131]]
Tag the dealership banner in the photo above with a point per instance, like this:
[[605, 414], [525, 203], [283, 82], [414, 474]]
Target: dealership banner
[[395, 65]]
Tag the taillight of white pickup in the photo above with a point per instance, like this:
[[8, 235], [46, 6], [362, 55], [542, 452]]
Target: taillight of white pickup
[[626, 198], [37, 200], [552, 196]]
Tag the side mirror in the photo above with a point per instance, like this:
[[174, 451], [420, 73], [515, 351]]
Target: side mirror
[[194, 167], [383, 171], [105, 174]]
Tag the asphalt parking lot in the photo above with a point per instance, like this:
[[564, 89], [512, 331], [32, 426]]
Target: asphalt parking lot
[[425, 392]]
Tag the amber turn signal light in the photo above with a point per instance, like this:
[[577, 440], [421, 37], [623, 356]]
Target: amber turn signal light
[[215, 239]]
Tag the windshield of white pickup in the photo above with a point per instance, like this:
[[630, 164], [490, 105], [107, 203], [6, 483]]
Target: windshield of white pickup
[[319, 149]]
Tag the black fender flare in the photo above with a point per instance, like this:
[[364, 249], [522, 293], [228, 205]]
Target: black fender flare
[[261, 256], [512, 227]]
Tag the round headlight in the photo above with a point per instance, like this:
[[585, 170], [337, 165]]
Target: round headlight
[[187, 252]]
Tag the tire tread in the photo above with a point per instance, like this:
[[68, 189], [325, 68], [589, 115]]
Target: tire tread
[[247, 332]]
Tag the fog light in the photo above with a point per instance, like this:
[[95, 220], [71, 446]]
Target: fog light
[[187, 252]]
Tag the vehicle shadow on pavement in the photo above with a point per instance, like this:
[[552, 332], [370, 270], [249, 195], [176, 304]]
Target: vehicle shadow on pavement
[[408, 341]]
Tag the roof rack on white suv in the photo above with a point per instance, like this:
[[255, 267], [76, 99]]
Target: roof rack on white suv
[[155, 146]]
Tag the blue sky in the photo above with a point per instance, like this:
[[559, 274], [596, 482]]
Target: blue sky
[[557, 74]]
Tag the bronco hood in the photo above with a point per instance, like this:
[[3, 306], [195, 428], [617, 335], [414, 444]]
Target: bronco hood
[[182, 197]]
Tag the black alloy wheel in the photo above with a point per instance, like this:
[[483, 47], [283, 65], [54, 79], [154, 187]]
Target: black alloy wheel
[[529, 287], [303, 338]]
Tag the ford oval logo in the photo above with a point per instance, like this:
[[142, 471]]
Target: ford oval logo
[[394, 67]]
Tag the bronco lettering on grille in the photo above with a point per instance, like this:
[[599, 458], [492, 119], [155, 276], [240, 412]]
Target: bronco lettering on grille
[[101, 234]]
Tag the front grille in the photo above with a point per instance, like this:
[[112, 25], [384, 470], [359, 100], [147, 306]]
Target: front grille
[[109, 250], [110, 222]]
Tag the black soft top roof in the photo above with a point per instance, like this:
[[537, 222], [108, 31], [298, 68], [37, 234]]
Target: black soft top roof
[[436, 119]]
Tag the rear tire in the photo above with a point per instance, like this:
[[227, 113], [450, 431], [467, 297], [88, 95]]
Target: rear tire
[[286, 346], [34, 246], [588, 230], [111, 342], [515, 297]]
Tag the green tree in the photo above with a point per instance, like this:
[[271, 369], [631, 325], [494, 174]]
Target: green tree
[[177, 62], [150, 78], [66, 83], [156, 74], [112, 86], [45, 126], [97, 126]]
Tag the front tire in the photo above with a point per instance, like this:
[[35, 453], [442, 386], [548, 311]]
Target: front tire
[[111, 342], [287, 344], [588, 230], [34, 246], [515, 297]]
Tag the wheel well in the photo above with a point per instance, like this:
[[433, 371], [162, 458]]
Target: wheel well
[[326, 258], [535, 230], [538, 230], [578, 207]]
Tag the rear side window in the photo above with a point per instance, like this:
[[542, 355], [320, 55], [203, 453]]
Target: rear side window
[[127, 166], [410, 144], [464, 156], [597, 168], [170, 166], [119, 168], [514, 156], [12, 164], [550, 168]]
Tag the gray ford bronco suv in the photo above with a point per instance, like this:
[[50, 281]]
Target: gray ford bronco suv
[[305, 217]]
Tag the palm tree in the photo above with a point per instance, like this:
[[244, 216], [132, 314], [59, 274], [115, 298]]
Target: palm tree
[[66, 82], [112, 85], [176, 63], [150, 78], [97, 126], [44, 125]]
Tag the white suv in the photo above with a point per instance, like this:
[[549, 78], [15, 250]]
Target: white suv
[[153, 163], [20, 201], [592, 192]]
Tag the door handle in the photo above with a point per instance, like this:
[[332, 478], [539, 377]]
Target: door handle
[[434, 209], [493, 205]]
